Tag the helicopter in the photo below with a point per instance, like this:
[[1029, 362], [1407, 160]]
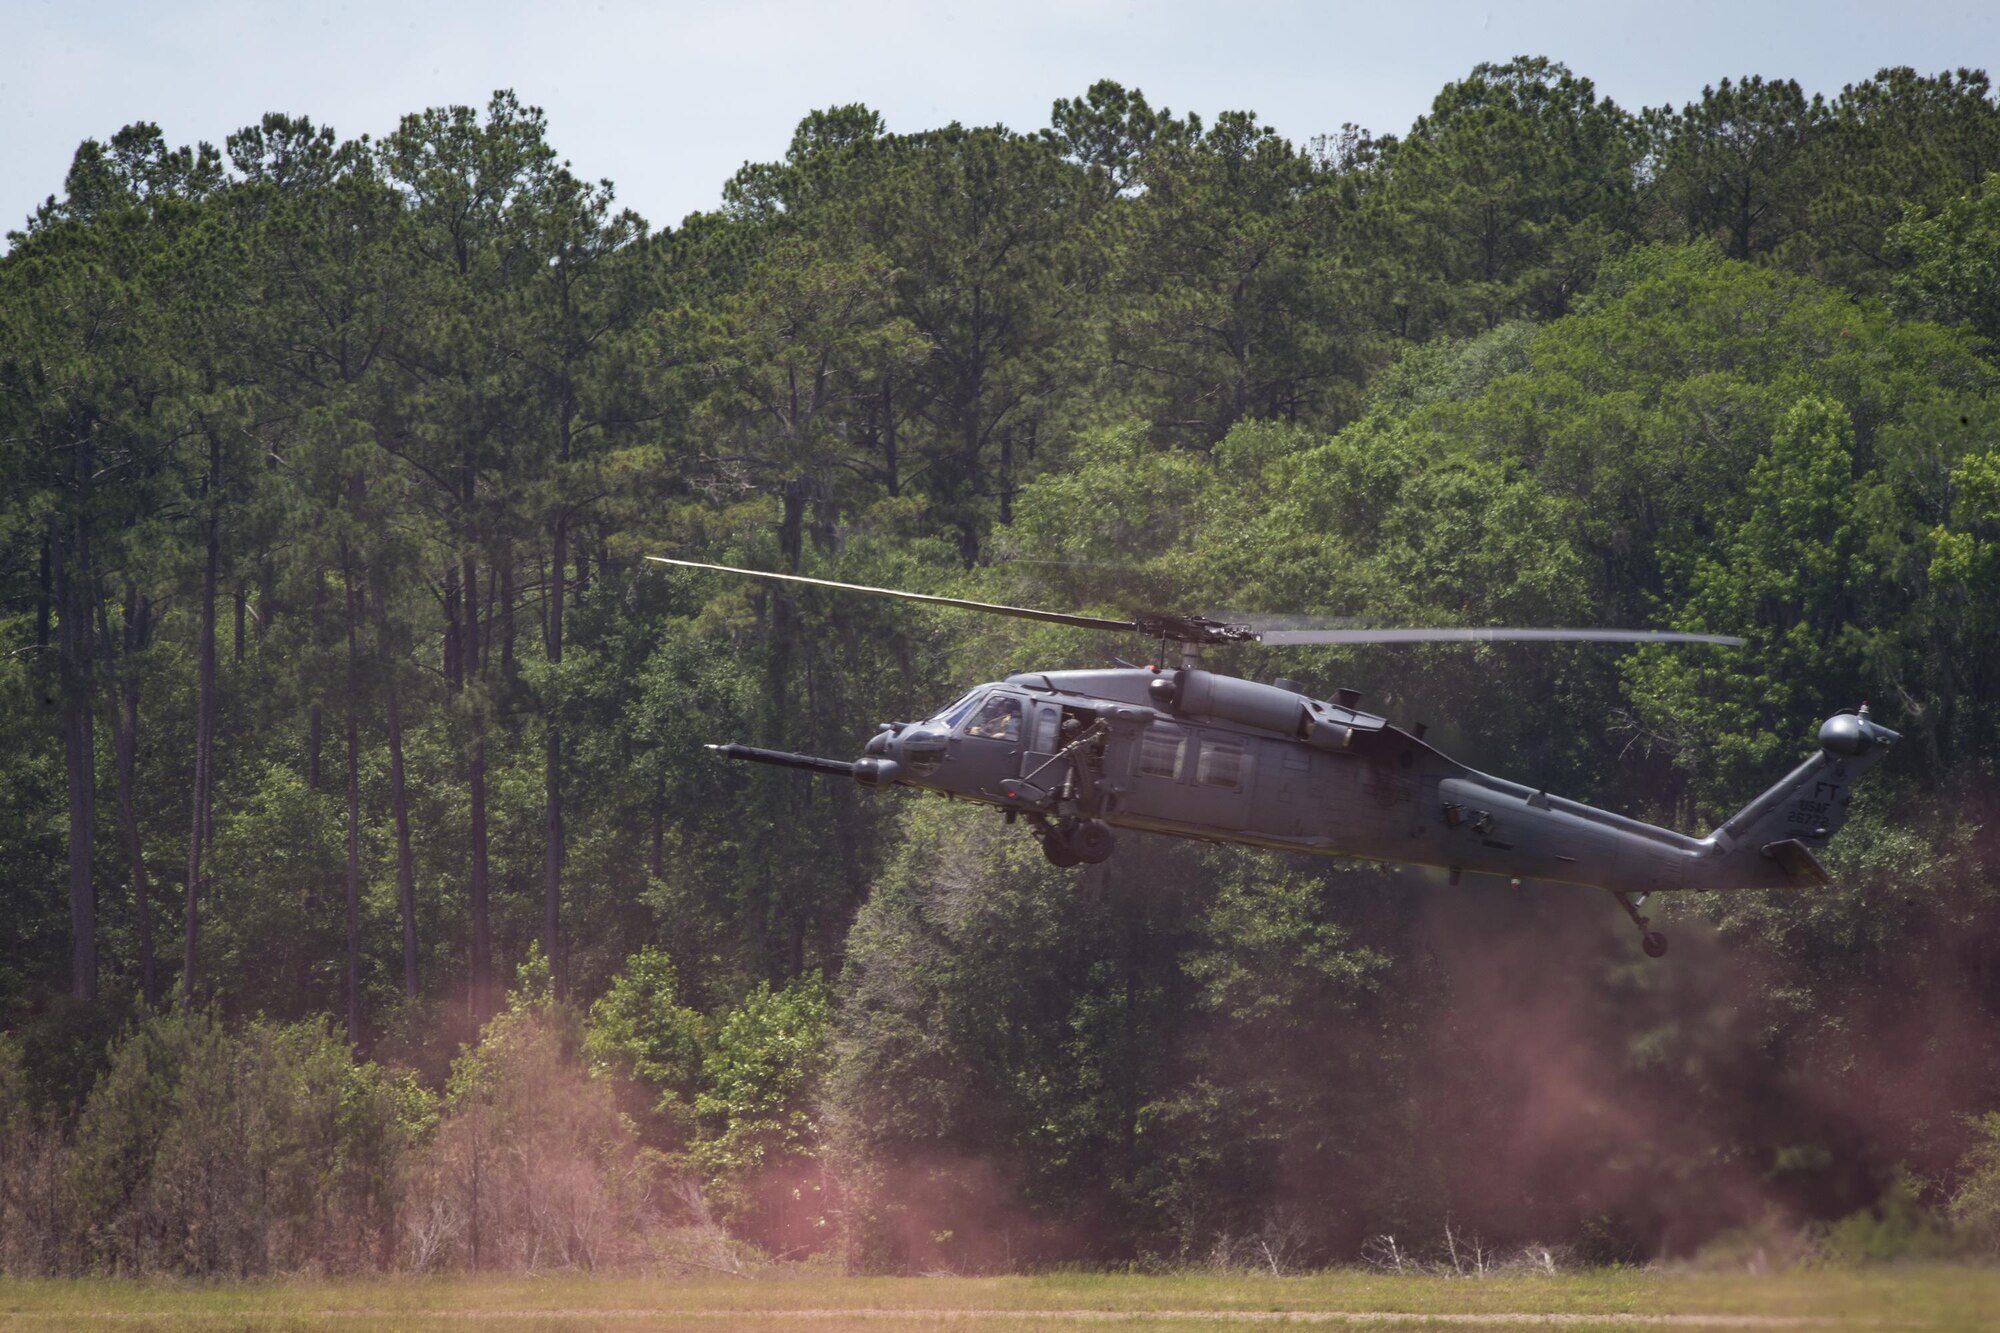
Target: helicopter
[[1191, 753]]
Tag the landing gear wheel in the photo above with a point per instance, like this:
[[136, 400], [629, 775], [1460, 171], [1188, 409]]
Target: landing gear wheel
[[1652, 941], [1092, 841], [1057, 848]]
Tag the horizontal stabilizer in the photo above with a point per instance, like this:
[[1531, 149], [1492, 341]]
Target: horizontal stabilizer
[[1801, 867]]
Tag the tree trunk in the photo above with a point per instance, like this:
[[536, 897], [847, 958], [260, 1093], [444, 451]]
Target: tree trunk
[[122, 698], [74, 635], [1743, 218], [552, 850], [507, 669], [973, 479], [43, 592], [469, 626], [204, 742], [482, 999], [454, 666], [137, 628], [1007, 476], [267, 578], [314, 727], [399, 800], [791, 525], [656, 855], [353, 969], [892, 478]]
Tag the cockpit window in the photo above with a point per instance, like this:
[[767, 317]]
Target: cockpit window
[[999, 719], [955, 714]]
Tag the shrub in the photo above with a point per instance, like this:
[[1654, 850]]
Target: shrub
[[62, 1051], [1975, 1205], [269, 1150], [760, 1145], [532, 1166], [35, 1200], [1898, 1226], [639, 1030]]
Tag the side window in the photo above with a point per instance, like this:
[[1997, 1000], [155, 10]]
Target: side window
[[1047, 718], [1221, 764], [998, 720], [1160, 753]]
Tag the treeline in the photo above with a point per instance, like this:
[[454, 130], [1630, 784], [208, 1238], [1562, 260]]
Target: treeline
[[336, 684]]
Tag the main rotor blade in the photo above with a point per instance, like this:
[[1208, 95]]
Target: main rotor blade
[[1259, 622], [994, 608], [1490, 635], [1196, 629]]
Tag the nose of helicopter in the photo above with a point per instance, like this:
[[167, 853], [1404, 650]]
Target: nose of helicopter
[[878, 765], [897, 751]]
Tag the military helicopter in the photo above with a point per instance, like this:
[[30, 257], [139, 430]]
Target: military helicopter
[[1197, 754]]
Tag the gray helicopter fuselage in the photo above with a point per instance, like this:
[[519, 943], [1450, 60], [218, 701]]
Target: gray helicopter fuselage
[[1196, 754]]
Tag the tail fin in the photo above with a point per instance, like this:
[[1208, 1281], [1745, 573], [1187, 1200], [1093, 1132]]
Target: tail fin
[[1808, 806]]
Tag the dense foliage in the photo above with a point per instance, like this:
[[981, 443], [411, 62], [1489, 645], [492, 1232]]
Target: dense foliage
[[336, 692]]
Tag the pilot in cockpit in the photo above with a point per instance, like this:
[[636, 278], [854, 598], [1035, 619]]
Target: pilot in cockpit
[[999, 719]]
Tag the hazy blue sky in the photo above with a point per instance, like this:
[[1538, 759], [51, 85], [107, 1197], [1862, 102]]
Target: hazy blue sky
[[669, 99]]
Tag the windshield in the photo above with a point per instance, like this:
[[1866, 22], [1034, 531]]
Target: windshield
[[952, 716]]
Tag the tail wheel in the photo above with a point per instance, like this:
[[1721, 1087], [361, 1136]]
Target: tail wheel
[[1652, 941], [1093, 841], [1057, 848]]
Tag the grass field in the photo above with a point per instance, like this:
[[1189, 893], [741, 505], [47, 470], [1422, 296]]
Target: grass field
[[1939, 1297]]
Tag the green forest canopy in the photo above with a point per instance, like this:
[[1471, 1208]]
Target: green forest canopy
[[334, 683]]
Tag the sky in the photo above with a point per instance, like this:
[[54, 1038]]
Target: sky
[[668, 99]]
